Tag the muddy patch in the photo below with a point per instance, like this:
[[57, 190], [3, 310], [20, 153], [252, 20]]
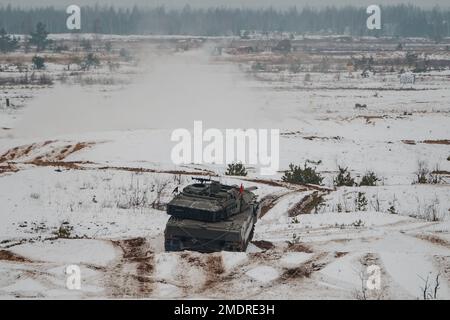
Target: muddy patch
[[131, 276], [443, 141], [214, 269], [299, 247], [193, 260], [266, 256], [61, 153], [299, 272], [269, 201], [434, 239], [263, 244], [307, 204], [6, 255], [443, 264], [339, 254], [8, 167], [16, 153], [306, 269], [32, 154]]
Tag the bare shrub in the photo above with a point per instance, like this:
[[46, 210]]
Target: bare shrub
[[422, 172], [136, 196], [160, 186], [361, 294], [431, 211], [392, 209], [376, 203], [45, 79], [434, 177], [429, 291], [142, 193], [424, 175]]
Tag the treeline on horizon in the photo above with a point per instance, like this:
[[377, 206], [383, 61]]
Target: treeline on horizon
[[400, 20]]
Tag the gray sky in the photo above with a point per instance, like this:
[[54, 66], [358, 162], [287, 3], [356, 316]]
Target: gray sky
[[228, 3]]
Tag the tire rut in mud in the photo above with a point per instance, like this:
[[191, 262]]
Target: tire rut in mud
[[307, 204], [434, 239], [214, 271], [211, 265], [131, 276], [382, 293]]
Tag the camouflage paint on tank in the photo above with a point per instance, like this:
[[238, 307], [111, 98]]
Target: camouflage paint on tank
[[209, 216]]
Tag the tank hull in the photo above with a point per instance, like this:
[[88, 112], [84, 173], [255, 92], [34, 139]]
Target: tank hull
[[232, 234]]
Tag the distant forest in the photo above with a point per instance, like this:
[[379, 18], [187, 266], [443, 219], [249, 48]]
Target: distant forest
[[402, 20]]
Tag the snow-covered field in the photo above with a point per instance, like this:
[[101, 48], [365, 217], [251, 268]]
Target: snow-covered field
[[82, 161]]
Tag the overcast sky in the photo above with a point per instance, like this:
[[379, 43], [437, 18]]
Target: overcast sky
[[214, 3]]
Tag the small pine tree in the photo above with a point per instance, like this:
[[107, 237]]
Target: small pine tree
[[64, 231], [39, 37], [344, 178], [369, 179], [304, 175], [90, 61], [236, 169], [361, 202], [38, 62], [7, 43]]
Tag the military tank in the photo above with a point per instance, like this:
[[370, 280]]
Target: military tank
[[208, 216]]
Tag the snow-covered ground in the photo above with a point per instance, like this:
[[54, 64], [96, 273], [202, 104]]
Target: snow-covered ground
[[81, 165]]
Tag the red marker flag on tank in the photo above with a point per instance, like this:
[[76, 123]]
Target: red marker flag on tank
[[241, 189]]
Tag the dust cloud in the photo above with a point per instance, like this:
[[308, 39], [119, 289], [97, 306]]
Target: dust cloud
[[174, 91]]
